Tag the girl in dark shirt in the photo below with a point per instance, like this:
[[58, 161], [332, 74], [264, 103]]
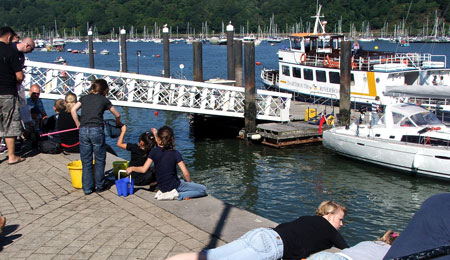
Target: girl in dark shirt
[[293, 240], [139, 153], [70, 141]]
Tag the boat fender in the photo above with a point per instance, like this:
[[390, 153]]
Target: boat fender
[[330, 120], [303, 58]]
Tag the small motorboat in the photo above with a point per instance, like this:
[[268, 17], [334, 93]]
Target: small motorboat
[[408, 138], [104, 52], [59, 60]]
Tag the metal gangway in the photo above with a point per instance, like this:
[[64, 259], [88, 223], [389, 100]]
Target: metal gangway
[[143, 91]]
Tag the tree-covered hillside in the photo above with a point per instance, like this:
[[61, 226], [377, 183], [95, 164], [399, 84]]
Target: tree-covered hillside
[[33, 15]]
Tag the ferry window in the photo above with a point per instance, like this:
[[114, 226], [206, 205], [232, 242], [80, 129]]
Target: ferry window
[[321, 76], [334, 77], [297, 72], [308, 74], [286, 70], [352, 79]]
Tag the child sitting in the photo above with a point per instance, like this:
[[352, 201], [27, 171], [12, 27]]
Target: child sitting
[[139, 153], [51, 123]]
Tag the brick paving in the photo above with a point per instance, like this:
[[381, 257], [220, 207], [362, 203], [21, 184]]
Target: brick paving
[[49, 219]]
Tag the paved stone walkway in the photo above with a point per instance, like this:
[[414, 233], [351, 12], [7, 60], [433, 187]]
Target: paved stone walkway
[[49, 219]]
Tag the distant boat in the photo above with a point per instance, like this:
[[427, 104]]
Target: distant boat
[[59, 60], [104, 52]]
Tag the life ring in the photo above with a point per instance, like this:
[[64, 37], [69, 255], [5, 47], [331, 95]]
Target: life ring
[[330, 120], [303, 58], [406, 62]]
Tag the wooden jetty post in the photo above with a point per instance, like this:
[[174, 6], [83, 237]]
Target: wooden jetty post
[[166, 52], [91, 49], [344, 93], [230, 56], [198, 60], [123, 51], [250, 106], [238, 62]]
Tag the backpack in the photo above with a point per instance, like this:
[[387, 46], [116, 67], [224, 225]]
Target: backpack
[[49, 147]]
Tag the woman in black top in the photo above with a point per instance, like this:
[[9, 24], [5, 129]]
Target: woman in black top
[[292, 240], [139, 153], [70, 140]]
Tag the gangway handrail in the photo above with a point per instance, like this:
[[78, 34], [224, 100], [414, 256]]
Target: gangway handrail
[[138, 90]]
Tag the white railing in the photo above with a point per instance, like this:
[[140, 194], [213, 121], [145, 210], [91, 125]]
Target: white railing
[[135, 90]]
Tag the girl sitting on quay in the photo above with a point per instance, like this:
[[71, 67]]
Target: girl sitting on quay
[[166, 159], [368, 250], [70, 141], [293, 240], [139, 153]]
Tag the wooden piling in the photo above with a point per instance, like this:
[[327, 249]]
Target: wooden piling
[[237, 46], [91, 49], [250, 106], [198, 60], [166, 52], [344, 93], [123, 51], [230, 56]]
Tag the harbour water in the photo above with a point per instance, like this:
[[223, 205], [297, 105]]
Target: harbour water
[[279, 184]]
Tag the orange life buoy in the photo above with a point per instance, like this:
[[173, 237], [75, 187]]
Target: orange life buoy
[[303, 58], [406, 62]]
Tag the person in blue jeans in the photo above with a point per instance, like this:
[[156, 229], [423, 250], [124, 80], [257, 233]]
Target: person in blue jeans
[[293, 240], [92, 134], [166, 159]]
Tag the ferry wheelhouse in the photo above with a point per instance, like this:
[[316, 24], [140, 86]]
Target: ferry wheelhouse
[[310, 68]]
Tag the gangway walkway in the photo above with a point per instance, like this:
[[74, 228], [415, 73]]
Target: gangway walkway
[[136, 90]]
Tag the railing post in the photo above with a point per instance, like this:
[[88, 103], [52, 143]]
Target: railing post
[[230, 56], [91, 49], [198, 60], [250, 106], [123, 51], [344, 93], [238, 62], [166, 52]]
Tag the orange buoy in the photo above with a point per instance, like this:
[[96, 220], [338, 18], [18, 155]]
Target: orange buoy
[[156, 113], [157, 55], [258, 63]]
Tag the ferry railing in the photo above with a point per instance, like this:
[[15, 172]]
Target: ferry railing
[[136, 90]]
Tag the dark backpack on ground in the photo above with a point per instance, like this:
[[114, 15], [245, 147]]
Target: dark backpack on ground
[[49, 147]]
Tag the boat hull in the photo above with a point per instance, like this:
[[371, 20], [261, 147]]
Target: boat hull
[[413, 158]]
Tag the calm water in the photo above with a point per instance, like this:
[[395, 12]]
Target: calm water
[[277, 184]]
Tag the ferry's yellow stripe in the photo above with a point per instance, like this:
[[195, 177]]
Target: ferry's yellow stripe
[[371, 84]]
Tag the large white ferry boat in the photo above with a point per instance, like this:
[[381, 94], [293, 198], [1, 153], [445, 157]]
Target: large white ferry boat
[[310, 68]]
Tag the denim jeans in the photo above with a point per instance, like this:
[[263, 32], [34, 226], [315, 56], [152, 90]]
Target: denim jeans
[[190, 190], [326, 256], [92, 140], [257, 244], [375, 119]]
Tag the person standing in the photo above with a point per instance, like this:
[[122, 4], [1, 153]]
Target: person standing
[[92, 134], [10, 76], [376, 108]]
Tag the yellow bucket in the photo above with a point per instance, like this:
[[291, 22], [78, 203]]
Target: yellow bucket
[[76, 173], [120, 165]]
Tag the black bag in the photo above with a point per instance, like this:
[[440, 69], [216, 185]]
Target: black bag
[[49, 147]]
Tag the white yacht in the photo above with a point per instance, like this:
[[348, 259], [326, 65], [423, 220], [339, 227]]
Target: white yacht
[[310, 68], [408, 137]]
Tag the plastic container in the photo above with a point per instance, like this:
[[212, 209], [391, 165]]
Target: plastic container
[[76, 173], [125, 186], [120, 165], [310, 113]]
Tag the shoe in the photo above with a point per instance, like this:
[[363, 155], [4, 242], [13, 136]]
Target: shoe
[[3, 149], [2, 223], [19, 160], [88, 193]]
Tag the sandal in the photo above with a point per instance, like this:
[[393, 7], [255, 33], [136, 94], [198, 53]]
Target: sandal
[[19, 160]]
